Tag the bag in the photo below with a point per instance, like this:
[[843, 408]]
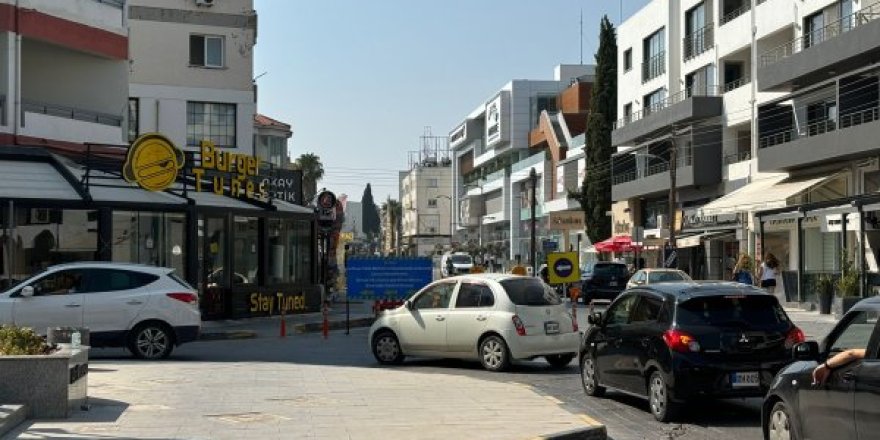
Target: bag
[[743, 277]]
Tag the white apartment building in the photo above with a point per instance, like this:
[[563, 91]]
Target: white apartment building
[[426, 199], [63, 72], [192, 71], [270, 141], [517, 129], [755, 95]]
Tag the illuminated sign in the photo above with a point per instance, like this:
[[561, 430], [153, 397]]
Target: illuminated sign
[[231, 173], [152, 162]]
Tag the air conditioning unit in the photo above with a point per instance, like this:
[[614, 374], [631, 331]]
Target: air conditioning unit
[[204, 2]]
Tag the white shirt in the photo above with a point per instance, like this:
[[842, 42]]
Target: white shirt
[[767, 272]]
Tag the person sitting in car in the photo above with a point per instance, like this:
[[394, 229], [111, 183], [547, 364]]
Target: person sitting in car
[[823, 370]]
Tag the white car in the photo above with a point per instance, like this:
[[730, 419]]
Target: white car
[[653, 276], [147, 309], [495, 318]]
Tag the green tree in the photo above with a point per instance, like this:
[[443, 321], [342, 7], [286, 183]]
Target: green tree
[[594, 195], [372, 226], [312, 170], [392, 212]]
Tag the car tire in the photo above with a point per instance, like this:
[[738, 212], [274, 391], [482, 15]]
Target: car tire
[[559, 360], [386, 348], [660, 404], [780, 425], [494, 354], [589, 380], [151, 340]]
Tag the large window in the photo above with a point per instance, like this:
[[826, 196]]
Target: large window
[[653, 101], [245, 250], [210, 121], [206, 50], [152, 238], [272, 149], [654, 55], [212, 244], [290, 252], [698, 36]]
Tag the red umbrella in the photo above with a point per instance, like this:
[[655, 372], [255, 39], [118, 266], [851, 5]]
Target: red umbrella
[[618, 244]]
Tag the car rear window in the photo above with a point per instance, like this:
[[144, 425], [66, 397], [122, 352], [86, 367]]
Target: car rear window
[[461, 259], [530, 292], [610, 270], [664, 277], [179, 280], [751, 310]]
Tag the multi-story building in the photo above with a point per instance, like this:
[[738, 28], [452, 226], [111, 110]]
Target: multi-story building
[[63, 72], [770, 103], [192, 71], [495, 148], [270, 141], [426, 198]]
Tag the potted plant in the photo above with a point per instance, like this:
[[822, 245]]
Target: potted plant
[[847, 287], [825, 290]]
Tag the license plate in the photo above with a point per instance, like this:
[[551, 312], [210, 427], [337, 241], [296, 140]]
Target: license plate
[[551, 328], [742, 380], [612, 283]]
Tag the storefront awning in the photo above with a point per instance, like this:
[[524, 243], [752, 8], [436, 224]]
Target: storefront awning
[[762, 194], [34, 180], [697, 239]]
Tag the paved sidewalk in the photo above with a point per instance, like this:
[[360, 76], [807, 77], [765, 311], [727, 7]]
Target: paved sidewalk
[[814, 325]]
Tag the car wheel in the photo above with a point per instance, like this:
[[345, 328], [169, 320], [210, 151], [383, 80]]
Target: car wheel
[[559, 360], [151, 341], [779, 424], [662, 407], [386, 348], [589, 380], [494, 354]]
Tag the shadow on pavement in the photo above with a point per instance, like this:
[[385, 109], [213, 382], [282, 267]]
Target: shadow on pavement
[[100, 411]]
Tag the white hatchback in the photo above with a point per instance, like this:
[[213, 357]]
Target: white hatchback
[[495, 318], [147, 309]]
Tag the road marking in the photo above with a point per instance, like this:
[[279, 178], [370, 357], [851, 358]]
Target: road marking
[[590, 421]]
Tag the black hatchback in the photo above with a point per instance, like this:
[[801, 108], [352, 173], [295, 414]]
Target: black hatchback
[[675, 342], [606, 281]]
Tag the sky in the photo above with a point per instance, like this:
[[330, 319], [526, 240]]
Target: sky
[[360, 81]]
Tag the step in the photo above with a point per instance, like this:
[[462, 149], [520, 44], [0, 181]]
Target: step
[[10, 417]]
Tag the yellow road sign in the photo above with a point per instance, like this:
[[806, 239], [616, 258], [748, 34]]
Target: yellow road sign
[[563, 267]]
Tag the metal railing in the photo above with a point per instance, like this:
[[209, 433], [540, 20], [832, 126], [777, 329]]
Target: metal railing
[[70, 113], [659, 166], [654, 67], [816, 36], [737, 83], [115, 3], [858, 118], [698, 42], [669, 101], [741, 156], [747, 4]]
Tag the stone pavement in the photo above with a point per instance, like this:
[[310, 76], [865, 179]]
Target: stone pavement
[[814, 325]]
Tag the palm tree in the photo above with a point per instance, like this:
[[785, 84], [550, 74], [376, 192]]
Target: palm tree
[[312, 172], [391, 211]]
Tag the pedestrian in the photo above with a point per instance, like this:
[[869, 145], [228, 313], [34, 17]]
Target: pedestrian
[[768, 271], [742, 271]]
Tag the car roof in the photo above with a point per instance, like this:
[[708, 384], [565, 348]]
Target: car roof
[[497, 277], [660, 269], [111, 265], [868, 304], [692, 289]]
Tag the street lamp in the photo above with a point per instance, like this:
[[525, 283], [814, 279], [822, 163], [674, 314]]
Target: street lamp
[[671, 164]]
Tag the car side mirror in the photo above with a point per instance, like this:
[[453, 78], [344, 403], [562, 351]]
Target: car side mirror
[[595, 318], [27, 291], [409, 305], [806, 351]]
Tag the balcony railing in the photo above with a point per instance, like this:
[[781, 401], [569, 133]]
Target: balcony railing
[[741, 156], [698, 42], [533, 160], [816, 36], [684, 159], [654, 67], [115, 3], [669, 101], [70, 113], [747, 4], [819, 127], [737, 83]]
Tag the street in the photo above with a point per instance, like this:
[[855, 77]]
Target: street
[[269, 385]]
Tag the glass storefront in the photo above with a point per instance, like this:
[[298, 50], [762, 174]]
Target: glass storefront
[[154, 238], [290, 251]]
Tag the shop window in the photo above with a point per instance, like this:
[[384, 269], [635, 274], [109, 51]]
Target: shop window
[[290, 252], [245, 239], [211, 121], [212, 236], [152, 238]]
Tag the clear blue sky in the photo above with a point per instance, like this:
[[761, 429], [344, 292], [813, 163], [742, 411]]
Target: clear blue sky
[[360, 80]]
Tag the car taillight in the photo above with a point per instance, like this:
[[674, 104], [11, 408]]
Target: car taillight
[[680, 341], [795, 336], [189, 298], [520, 328]]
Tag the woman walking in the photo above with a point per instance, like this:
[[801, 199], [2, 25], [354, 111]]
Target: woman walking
[[768, 271], [742, 272]]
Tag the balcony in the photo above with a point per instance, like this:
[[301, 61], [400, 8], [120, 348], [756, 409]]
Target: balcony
[[653, 67], [698, 42], [61, 123], [682, 108], [853, 135], [733, 14], [108, 15], [841, 46]]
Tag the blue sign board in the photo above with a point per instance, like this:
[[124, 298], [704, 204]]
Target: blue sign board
[[386, 278], [551, 245], [563, 267]]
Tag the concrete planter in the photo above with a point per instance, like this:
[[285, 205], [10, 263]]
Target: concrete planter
[[49, 385], [842, 304]]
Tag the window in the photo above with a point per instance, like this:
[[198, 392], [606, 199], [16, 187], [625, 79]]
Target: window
[[290, 252], [272, 149], [63, 282], [654, 101], [146, 237], [433, 183], [647, 310], [530, 292], [206, 50], [244, 251], [700, 82], [814, 27], [133, 119], [210, 121], [618, 314], [435, 297], [627, 111], [664, 277], [751, 310], [627, 60], [432, 203], [107, 280], [654, 55], [856, 334], [472, 295], [698, 36]]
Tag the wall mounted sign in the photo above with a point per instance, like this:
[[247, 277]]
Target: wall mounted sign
[[152, 162], [230, 173]]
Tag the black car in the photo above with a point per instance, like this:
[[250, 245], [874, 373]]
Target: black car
[[606, 281], [675, 342], [847, 405]]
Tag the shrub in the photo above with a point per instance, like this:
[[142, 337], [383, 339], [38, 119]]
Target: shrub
[[848, 283], [15, 341]]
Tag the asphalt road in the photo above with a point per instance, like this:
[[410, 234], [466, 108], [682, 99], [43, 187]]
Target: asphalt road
[[626, 418]]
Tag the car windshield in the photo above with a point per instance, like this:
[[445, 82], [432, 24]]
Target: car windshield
[[530, 292], [609, 270], [664, 277], [461, 259], [731, 310]]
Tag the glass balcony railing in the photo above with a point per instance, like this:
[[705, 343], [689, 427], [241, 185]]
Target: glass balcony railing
[[71, 113], [533, 160], [669, 101]]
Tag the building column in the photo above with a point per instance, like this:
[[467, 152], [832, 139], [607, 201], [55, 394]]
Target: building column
[[800, 260]]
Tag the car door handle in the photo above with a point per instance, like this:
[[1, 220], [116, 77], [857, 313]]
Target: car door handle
[[440, 318], [849, 376], [73, 305], [134, 303], [482, 318]]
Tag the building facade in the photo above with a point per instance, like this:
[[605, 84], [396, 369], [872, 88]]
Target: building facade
[[270, 141], [426, 199]]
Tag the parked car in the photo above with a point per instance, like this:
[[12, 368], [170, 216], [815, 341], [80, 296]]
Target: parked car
[[847, 405], [654, 276], [147, 309], [496, 318], [606, 281], [674, 342], [457, 263]]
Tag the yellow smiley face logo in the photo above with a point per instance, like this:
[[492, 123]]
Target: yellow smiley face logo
[[152, 162]]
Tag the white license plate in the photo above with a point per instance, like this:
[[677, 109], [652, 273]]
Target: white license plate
[[742, 380], [612, 283], [551, 328]]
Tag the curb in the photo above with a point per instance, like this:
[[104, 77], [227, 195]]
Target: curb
[[593, 432], [317, 327], [11, 416], [227, 335]]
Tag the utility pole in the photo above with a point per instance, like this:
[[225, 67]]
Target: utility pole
[[673, 164], [533, 178]]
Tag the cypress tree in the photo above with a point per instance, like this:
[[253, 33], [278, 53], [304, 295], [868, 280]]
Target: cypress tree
[[371, 220]]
